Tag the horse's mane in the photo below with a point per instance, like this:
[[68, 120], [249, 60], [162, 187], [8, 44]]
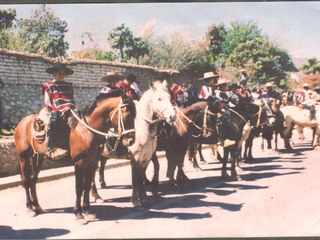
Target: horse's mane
[[90, 108]]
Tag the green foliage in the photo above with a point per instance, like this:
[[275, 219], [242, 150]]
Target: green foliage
[[6, 18], [43, 33], [214, 39], [94, 53], [312, 66], [121, 38], [244, 47], [177, 54]]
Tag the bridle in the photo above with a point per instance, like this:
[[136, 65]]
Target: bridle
[[202, 129], [121, 131]]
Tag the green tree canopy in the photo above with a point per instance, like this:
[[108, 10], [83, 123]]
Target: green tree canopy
[[245, 47], [44, 33], [312, 66], [6, 18]]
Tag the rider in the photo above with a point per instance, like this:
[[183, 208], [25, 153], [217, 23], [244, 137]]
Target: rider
[[210, 79], [58, 96], [125, 85], [271, 94], [111, 90], [305, 99]]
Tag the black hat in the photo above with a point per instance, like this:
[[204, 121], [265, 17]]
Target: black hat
[[130, 76], [162, 76], [59, 66]]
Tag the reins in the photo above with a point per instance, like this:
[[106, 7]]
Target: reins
[[121, 131], [202, 130]]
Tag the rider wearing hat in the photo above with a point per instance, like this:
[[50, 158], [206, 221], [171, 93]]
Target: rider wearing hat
[[125, 85], [58, 96], [271, 94], [306, 99], [209, 79], [222, 94]]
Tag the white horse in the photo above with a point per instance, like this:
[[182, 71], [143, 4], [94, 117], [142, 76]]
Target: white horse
[[153, 107], [294, 115]]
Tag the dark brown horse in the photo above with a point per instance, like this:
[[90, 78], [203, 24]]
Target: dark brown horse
[[86, 139]]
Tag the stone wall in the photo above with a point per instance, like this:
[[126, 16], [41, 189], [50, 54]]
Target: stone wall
[[23, 74]]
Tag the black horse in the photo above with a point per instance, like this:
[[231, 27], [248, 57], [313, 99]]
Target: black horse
[[242, 124]]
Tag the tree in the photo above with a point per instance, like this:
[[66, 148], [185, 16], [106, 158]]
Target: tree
[[120, 38], [6, 18], [136, 48], [214, 39], [312, 66], [245, 47], [44, 33], [177, 54], [96, 54]]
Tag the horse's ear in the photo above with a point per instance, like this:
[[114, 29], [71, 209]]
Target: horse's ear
[[151, 85]]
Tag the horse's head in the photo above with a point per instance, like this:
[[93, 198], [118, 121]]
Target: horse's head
[[161, 102], [267, 107]]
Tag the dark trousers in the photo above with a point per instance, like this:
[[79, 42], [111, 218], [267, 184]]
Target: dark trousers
[[58, 132]]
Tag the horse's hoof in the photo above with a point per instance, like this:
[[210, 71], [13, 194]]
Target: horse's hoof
[[31, 213], [89, 215], [99, 200], [203, 162], [39, 210], [103, 185], [225, 176], [80, 219], [138, 206]]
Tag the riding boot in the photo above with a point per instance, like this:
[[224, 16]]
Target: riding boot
[[222, 129], [53, 151]]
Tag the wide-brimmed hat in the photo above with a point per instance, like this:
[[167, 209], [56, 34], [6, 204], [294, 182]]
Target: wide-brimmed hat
[[112, 76], [222, 81], [58, 67], [306, 85], [130, 76], [269, 84], [209, 75]]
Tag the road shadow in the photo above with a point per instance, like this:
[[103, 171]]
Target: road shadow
[[6, 232]]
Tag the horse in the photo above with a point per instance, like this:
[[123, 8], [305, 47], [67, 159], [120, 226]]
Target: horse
[[241, 124], [153, 109], [195, 123], [270, 121], [277, 128], [295, 115], [86, 138]]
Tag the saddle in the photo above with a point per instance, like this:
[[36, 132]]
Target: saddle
[[40, 125]]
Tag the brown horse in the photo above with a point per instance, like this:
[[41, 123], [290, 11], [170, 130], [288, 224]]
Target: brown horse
[[86, 139]]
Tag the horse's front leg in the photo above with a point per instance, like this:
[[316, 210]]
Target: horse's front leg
[[224, 173], [234, 155], [36, 163], [89, 174], [155, 180], [79, 190], [136, 181]]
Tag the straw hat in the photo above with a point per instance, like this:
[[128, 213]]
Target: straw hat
[[112, 76], [222, 81], [209, 75], [306, 85], [59, 67]]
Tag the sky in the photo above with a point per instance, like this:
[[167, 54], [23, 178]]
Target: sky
[[294, 26]]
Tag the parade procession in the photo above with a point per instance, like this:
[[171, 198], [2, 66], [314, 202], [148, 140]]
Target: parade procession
[[224, 145]]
